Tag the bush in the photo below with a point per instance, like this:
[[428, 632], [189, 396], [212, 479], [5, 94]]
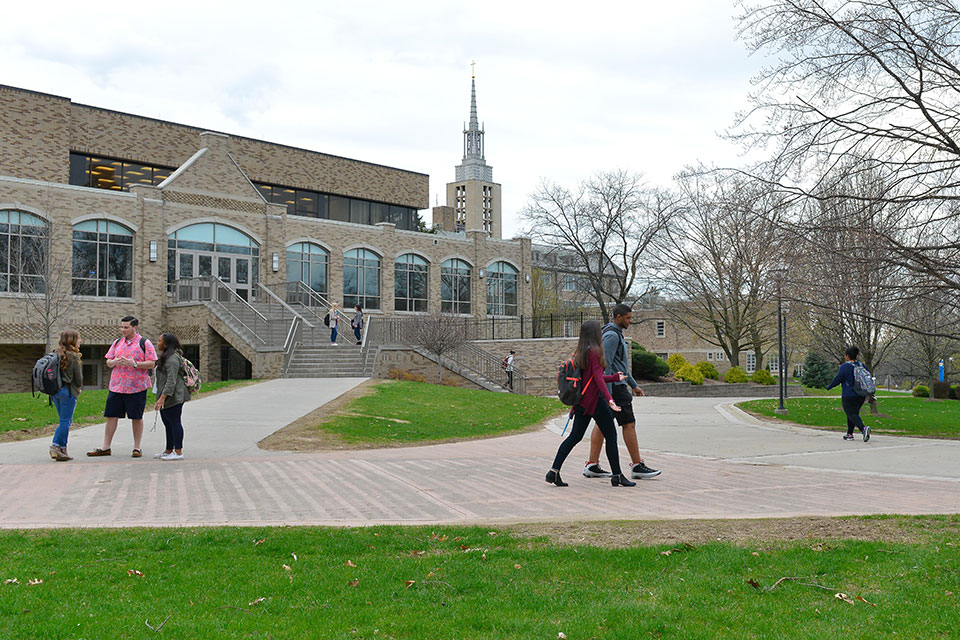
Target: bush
[[762, 376], [708, 370], [689, 374], [676, 362], [941, 390], [647, 365], [955, 392], [736, 375], [921, 391], [403, 374], [817, 371]]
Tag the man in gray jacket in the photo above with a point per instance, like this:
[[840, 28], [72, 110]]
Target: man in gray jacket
[[618, 359]]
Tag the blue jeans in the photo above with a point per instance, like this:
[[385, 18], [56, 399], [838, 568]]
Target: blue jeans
[[65, 403], [333, 333]]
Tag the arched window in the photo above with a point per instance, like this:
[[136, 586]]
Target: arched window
[[23, 255], [410, 283], [211, 249], [361, 279], [501, 289], [307, 262], [102, 259], [455, 278]]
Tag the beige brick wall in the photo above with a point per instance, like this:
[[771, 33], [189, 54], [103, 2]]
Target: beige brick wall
[[413, 362], [16, 366], [34, 128]]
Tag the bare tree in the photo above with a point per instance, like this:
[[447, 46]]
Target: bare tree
[[715, 260], [439, 335], [44, 278], [544, 293], [875, 80], [609, 222]]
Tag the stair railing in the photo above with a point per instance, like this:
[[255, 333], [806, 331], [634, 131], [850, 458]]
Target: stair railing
[[211, 289]]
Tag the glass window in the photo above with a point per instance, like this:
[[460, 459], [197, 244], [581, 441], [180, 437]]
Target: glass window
[[361, 279], [102, 259], [359, 211], [114, 173], [339, 208], [502, 289], [378, 212], [79, 170], [455, 286], [307, 203], [661, 328], [751, 362], [307, 262], [410, 283], [23, 252]]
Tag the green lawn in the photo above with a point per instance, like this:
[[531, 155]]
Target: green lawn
[[835, 392], [21, 411], [909, 416], [451, 582], [401, 411]]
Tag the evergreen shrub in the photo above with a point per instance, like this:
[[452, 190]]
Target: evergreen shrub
[[736, 375], [690, 374], [646, 365], [708, 370], [676, 361], [817, 372], [921, 391], [762, 376]]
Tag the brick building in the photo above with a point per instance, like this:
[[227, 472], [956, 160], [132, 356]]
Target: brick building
[[141, 214]]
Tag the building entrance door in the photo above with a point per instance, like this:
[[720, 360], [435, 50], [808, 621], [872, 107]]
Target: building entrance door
[[237, 272], [214, 249]]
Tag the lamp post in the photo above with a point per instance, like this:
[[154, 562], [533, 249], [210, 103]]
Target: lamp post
[[778, 273]]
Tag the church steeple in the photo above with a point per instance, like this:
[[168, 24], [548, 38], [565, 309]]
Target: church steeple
[[474, 165]]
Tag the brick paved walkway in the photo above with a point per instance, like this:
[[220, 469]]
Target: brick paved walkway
[[716, 463]]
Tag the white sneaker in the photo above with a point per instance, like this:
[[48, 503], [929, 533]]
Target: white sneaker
[[172, 456], [158, 456]]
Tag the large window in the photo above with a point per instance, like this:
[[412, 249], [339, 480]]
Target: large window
[[455, 278], [102, 259], [502, 289], [113, 173], [410, 278], [361, 279], [23, 240], [307, 262], [314, 204], [212, 249]]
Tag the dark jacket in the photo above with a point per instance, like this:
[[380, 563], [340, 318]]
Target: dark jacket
[[617, 354], [72, 376], [594, 384], [845, 380], [170, 382]]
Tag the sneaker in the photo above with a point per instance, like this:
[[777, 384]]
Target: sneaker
[[157, 456], [642, 471], [848, 436], [594, 471], [866, 434], [173, 456]]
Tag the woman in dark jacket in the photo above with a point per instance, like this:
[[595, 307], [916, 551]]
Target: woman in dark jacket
[[172, 393], [850, 400], [71, 375], [589, 357]]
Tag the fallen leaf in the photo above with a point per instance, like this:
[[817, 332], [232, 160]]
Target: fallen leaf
[[354, 582], [349, 563], [483, 556], [755, 554], [409, 583], [260, 541], [430, 575], [134, 572], [844, 597], [753, 583], [15, 581], [34, 581], [862, 599], [257, 601], [464, 547], [516, 566], [491, 533], [946, 593], [666, 553], [561, 636], [417, 553], [286, 567], [294, 556], [20, 419]]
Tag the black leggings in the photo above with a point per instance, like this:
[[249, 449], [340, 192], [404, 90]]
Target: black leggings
[[851, 407], [173, 426], [581, 421]]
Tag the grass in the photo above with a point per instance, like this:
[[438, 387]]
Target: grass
[[454, 582], [401, 411], [835, 392], [20, 411], [907, 416]]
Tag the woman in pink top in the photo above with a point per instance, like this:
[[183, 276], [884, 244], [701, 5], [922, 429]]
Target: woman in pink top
[[590, 358]]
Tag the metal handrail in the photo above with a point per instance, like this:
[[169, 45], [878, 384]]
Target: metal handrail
[[211, 293], [283, 304], [291, 342]]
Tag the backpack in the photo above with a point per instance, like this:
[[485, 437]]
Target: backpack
[[143, 348], [46, 375], [568, 383], [503, 365], [326, 319], [190, 374], [863, 382], [619, 342]]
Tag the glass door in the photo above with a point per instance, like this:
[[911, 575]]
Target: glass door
[[237, 272]]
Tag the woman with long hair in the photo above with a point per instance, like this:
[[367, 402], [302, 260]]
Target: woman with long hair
[[334, 323], [590, 358], [172, 392], [71, 375]]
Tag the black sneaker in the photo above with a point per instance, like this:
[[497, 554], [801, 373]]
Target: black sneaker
[[866, 434], [848, 436], [642, 471], [594, 471]]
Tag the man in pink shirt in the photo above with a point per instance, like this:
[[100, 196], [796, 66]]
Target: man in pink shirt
[[131, 358]]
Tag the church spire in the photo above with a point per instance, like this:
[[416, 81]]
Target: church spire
[[474, 164]]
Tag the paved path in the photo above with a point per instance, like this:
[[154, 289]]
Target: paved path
[[717, 462]]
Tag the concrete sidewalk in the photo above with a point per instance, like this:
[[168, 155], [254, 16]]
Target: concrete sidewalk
[[716, 463]]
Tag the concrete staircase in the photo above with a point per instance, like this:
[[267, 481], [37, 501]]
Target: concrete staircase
[[326, 361]]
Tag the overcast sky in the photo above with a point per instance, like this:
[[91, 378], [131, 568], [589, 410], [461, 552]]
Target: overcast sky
[[564, 89]]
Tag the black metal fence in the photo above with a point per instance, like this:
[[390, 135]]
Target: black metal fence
[[553, 325]]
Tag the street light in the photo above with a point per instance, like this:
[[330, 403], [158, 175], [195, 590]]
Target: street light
[[778, 273]]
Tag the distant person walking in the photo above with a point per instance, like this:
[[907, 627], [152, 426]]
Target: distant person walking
[[130, 358], [508, 367], [357, 323], [618, 359], [849, 398], [172, 392], [334, 323], [590, 359], [71, 375]]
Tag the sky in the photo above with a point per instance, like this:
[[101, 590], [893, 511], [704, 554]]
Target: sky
[[563, 93]]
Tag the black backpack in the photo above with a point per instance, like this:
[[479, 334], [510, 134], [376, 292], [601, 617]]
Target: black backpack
[[46, 375], [569, 389], [326, 319]]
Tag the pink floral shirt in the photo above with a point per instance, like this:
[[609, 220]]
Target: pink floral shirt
[[127, 379]]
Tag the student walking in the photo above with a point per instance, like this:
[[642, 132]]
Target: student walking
[[130, 358], [850, 400], [172, 392], [334, 323], [357, 323], [71, 375], [508, 367], [618, 359], [590, 359]]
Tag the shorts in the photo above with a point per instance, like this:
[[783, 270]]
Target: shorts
[[623, 398], [125, 405]]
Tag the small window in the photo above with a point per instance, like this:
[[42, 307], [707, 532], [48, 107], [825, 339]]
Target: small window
[[751, 362], [720, 355], [710, 356], [661, 328]]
